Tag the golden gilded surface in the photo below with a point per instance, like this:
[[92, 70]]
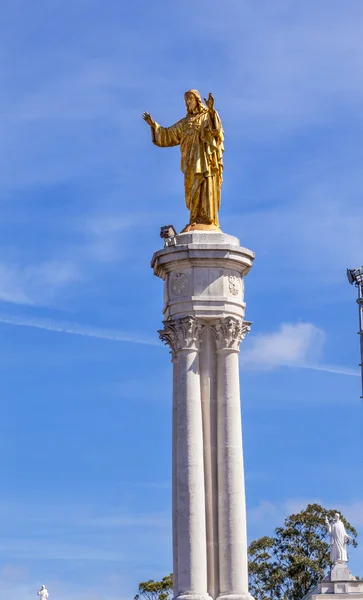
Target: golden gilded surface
[[200, 137]]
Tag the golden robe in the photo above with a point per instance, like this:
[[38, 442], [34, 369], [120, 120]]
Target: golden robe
[[200, 136]]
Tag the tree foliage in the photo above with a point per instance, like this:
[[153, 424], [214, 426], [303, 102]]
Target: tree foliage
[[283, 567], [288, 565], [156, 590]]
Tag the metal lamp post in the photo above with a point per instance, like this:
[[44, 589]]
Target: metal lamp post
[[356, 276]]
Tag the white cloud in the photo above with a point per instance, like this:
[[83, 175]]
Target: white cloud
[[26, 590], [35, 284], [293, 66], [11, 572], [353, 511], [266, 511], [107, 234], [296, 345], [293, 345], [13, 285], [51, 534], [314, 231]]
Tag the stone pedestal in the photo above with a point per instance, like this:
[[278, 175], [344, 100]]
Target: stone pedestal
[[339, 584], [204, 325]]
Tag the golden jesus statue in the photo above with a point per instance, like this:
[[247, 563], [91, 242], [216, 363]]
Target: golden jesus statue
[[200, 136]]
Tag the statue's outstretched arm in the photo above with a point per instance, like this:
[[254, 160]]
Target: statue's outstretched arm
[[148, 119]]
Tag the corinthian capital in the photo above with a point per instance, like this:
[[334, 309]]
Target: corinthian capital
[[229, 332], [182, 334]]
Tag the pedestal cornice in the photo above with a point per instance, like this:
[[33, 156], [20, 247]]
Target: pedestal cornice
[[202, 250], [203, 274]]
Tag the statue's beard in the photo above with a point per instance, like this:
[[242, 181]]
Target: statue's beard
[[193, 111]]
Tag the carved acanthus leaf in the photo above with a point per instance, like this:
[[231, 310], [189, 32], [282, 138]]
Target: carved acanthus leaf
[[182, 334], [229, 332]]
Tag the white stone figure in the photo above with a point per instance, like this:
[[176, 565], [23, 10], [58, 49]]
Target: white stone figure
[[43, 593], [338, 540]]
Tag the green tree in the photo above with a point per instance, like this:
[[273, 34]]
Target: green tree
[[288, 565], [156, 590]]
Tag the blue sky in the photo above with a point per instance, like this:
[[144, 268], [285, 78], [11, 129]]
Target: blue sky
[[85, 386]]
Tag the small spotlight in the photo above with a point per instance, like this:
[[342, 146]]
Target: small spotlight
[[167, 231], [355, 276]]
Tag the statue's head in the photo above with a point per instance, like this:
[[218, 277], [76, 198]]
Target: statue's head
[[336, 517], [193, 101]]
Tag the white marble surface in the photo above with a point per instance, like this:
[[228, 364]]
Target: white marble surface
[[203, 274], [339, 584], [43, 593], [204, 310], [338, 540]]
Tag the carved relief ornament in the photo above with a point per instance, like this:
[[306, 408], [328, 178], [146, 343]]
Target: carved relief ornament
[[234, 284], [179, 283]]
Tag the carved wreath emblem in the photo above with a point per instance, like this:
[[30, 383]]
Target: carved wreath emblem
[[234, 284], [179, 283]]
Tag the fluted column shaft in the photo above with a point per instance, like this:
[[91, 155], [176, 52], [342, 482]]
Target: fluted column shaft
[[208, 376], [192, 562], [188, 486], [174, 472], [233, 563]]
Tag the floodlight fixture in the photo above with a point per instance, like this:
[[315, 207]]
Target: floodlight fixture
[[356, 276], [167, 231]]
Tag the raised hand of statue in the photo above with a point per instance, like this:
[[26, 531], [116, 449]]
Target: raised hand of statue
[[210, 101], [148, 118]]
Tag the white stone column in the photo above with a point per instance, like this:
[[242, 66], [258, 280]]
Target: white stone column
[[208, 377], [174, 471], [189, 506], [233, 562], [203, 274]]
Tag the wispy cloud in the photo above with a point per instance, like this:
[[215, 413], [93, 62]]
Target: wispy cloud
[[311, 230], [339, 370], [75, 532], [294, 67], [266, 511], [298, 345], [78, 250], [17, 580], [76, 329], [268, 514], [35, 284], [109, 235], [353, 511], [286, 78]]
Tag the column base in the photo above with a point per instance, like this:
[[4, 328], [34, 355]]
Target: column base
[[246, 596], [193, 596]]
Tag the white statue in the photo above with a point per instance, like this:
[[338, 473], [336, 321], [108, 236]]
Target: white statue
[[338, 540], [43, 593]]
